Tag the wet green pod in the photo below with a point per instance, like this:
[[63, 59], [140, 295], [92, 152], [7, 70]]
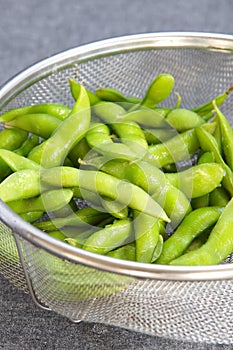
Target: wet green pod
[[218, 246], [17, 162], [183, 119], [39, 124], [178, 148], [146, 230], [159, 89], [82, 218], [131, 135], [206, 110], [57, 110], [106, 185], [114, 208], [126, 252], [75, 89], [209, 144], [109, 238], [206, 157], [219, 197], [154, 136], [31, 216], [54, 150], [198, 180], [193, 225], [27, 145], [145, 117], [226, 132], [113, 95], [158, 249], [46, 202], [12, 138], [19, 185], [99, 139]]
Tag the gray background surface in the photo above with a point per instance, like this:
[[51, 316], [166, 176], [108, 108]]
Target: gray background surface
[[31, 30]]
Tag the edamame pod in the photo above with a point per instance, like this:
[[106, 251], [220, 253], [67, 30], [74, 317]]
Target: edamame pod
[[17, 162], [75, 89], [183, 119], [113, 95], [111, 237], [12, 138], [57, 110], [39, 124], [46, 202], [27, 145], [226, 136], [19, 185], [206, 110], [209, 144], [146, 230], [126, 252], [178, 148], [159, 89], [192, 226], [198, 180], [106, 185], [218, 245], [85, 217]]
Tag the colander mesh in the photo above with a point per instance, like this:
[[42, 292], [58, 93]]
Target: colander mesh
[[187, 310]]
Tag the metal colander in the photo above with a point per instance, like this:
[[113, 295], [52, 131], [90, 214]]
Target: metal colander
[[184, 303]]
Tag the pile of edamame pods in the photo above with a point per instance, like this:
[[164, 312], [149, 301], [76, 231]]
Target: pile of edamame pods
[[157, 182]]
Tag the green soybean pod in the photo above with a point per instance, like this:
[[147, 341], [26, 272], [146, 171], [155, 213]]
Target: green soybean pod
[[178, 148], [145, 117], [206, 110], [198, 180], [12, 138], [57, 110], [146, 230], [154, 136], [106, 185], [75, 89], [54, 150], [126, 252], [19, 185], [46, 202], [158, 249], [27, 145], [132, 135], [31, 216], [111, 237], [219, 197], [17, 162], [209, 144], [199, 202], [115, 208], [218, 246], [82, 218], [39, 124], [98, 138], [159, 89], [206, 157], [226, 136], [192, 226], [114, 95], [183, 119], [5, 170], [203, 201]]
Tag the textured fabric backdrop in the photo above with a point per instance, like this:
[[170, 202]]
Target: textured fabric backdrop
[[31, 30]]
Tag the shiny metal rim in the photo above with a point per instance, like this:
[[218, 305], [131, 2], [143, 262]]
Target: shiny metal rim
[[88, 52]]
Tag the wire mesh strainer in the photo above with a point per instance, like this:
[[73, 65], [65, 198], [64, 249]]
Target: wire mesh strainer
[[188, 303]]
